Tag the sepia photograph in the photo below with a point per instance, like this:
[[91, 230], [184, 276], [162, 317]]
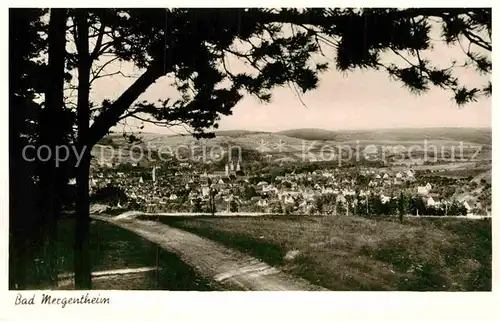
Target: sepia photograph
[[249, 149]]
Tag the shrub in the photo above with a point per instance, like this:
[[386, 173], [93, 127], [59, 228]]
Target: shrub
[[109, 194]]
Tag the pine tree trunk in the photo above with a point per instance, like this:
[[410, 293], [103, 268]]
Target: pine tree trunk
[[54, 99], [17, 231], [82, 267]]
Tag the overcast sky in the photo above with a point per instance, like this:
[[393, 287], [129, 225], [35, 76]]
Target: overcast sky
[[359, 100]]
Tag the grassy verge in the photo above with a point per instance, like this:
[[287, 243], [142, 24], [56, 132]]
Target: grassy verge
[[115, 248], [360, 254]]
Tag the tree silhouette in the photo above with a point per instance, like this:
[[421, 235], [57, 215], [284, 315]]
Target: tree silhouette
[[233, 206], [24, 44], [197, 205], [193, 46], [403, 205]]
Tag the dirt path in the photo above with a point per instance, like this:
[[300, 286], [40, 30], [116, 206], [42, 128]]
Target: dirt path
[[230, 268]]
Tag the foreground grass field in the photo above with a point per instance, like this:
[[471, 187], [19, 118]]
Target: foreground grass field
[[113, 248], [360, 254]]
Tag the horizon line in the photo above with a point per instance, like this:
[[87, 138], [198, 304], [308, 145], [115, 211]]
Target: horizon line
[[322, 129]]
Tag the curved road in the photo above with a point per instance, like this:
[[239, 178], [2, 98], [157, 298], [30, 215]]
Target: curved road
[[232, 269]]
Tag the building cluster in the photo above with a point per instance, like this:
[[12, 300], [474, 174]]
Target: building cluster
[[234, 190]]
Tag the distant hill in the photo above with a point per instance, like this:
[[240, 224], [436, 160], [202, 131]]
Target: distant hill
[[291, 144], [476, 135], [311, 134], [236, 133]]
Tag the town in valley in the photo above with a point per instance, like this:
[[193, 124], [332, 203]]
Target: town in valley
[[250, 179]]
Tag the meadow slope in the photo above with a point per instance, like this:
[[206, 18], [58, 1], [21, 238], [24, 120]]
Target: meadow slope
[[353, 253]]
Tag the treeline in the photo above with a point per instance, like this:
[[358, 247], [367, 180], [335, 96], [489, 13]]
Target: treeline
[[372, 205]]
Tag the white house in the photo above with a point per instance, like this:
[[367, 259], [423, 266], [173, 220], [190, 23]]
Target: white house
[[308, 195], [422, 190], [348, 192], [399, 175], [289, 199], [173, 197], [262, 184], [341, 199], [269, 188], [428, 186], [385, 199], [205, 191], [262, 203], [432, 203], [386, 176], [467, 207], [327, 191]]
